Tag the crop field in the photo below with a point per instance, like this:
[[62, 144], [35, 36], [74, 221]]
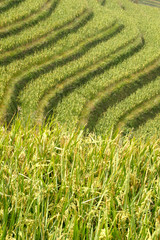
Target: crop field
[[151, 3], [90, 64], [79, 119]]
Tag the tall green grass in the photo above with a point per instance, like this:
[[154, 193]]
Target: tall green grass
[[62, 185]]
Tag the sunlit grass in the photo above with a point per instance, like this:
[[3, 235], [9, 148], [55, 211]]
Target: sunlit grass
[[61, 185]]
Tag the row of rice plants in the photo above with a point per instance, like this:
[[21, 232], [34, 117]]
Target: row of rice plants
[[146, 108], [118, 76], [20, 25], [52, 22], [15, 46], [114, 92], [151, 3], [24, 10], [152, 39], [77, 69], [23, 81], [135, 64], [45, 56], [19, 66], [80, 36], [46, 53], [9, 4], [150, 128], [49, 78], [48, 39], [145, 111], [60, 91], [60, 61], [110, 76], [117, 114]]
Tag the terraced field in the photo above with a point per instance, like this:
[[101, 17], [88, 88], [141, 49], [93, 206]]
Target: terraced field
[[91, 64], [151, 3]]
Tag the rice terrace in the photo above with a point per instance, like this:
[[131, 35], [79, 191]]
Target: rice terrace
[[80, 119]]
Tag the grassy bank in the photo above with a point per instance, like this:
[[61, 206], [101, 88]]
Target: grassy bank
[[59, 185]]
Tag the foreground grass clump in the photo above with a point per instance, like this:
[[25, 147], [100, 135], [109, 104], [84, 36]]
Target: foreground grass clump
[[60, 185]]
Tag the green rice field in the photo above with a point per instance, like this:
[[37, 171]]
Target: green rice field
[[96, 67], [79, 119]]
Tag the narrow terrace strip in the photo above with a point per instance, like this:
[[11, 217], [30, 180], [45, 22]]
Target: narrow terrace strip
[[117, 92], [9, 5], [47, 39], [71, 54], [13, 50], [150, 4], [40, 15], [75, 52], [60, 60], [67, 86], [155, 1], [21, 18], [140, 114]]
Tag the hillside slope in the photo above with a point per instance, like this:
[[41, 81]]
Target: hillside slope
[[73, 73], [87, 63]]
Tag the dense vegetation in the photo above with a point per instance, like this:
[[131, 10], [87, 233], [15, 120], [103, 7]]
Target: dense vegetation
[[56, 185], [73, 74], [97, 66]]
